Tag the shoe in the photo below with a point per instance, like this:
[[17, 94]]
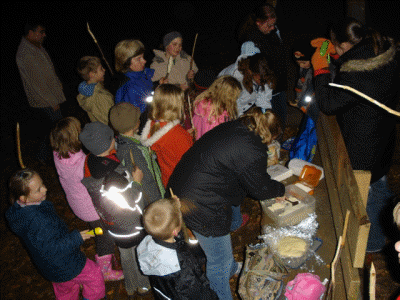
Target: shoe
[[239, 268], [105, 263]]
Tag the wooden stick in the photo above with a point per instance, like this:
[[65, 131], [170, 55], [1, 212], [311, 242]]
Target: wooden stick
[[194, 46], [133, 161], [345, 87], [372, 282], [190, 111], [341, 242], [88, 28], [19, 148]]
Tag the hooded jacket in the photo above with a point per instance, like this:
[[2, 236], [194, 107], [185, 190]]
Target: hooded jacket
[[174, 271], [226, 165], [54, 250], [70, 172], [368, 131]]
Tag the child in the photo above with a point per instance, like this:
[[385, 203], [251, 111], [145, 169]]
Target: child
[[69, 160], [124, 118], [216, 105], [175, 272], [53, 249], [173, 64], [163, 132], [120, 215], [93, 97]]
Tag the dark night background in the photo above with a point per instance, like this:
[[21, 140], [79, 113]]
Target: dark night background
[[215, 22]]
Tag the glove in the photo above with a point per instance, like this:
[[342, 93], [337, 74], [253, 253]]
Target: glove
[[320, 62]]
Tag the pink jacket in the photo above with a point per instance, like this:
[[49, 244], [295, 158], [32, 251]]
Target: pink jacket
[[201, 118], [70, 172]]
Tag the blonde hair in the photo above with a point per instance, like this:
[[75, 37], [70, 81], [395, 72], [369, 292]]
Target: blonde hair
[[125, 51], [222, 94], [64, 137], [267, 126], [167, 105], [162, 217], [19, 184], [88, 64]]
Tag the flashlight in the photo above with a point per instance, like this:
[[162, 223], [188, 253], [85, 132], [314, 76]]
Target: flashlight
[[96, 231], [150, 97]]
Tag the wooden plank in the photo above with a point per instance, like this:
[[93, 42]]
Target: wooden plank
[[350, 275], [348, 194], [363, 179]]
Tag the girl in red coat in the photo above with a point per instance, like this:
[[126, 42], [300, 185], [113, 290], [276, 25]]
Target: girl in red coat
[[163, 132]]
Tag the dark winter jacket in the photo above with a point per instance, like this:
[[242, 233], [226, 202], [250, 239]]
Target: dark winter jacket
[[272, 45], [54, 250], [224, 166], [144, 159], [174, 271], [122, 222], [368, 130]]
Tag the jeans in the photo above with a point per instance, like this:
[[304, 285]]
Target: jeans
[[221, 265], [279, 106], [237, 218], [378, 196]]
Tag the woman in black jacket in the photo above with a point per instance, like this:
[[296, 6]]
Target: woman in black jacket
[[226, 165], [367, 62]]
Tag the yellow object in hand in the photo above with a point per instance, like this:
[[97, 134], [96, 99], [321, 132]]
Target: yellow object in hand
[[96, 231]]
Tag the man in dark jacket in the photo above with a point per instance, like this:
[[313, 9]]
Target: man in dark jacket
[[222, 168]]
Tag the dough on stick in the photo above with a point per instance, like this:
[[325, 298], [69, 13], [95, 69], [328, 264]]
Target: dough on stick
[[291, 246]]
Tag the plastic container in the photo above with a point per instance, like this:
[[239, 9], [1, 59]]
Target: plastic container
[[288, 213], [297, 262]]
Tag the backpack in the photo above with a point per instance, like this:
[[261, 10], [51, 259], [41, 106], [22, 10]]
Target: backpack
[[262, 276]]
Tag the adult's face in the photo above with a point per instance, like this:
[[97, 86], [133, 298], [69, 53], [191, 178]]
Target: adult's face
[[175, 47], [37, 36], [266, 26], [137, 63]]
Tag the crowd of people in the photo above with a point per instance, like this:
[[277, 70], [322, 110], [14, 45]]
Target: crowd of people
[[152, 166]]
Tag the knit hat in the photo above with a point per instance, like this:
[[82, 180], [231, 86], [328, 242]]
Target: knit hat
[[204, 78], [249, 49], [124, 116], [96, 137], [169, 37], [302, 50]]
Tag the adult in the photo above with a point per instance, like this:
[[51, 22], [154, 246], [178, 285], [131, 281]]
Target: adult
[[226, 165], [43, 88], [252, 70], [367, 62], [136, 86], [260, 28], [173, 64]]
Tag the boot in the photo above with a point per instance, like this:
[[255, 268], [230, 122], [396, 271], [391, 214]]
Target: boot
[[106, 268]]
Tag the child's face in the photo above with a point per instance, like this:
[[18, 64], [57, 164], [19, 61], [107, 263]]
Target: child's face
[[137, 63], [305, 64], [37, 191], [175, 47], [98, 75]]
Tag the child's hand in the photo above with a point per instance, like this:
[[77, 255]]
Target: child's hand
[[137, 175], [190, 74], [85, 236], [192, 132], [163, 80], [397, 247], [184, 86]]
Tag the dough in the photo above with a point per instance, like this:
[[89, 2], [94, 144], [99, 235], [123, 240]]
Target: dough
[[291, 246]]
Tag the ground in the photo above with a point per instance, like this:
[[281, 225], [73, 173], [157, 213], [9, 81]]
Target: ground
[[20, 280]]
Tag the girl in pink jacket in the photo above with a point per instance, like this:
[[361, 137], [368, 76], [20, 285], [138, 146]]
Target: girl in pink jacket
[[216, 105], [69, 160]]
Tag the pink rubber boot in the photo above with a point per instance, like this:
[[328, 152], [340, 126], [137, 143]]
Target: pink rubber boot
[[106, 268]]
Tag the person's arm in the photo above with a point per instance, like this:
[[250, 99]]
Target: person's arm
[[250, 164]]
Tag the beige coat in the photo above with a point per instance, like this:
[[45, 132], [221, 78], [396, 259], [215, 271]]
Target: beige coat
[[42, 86], [179, 69], [97, 105]]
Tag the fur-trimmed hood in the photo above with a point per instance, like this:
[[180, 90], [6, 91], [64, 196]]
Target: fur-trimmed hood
[[371, 63], [158, 134]]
